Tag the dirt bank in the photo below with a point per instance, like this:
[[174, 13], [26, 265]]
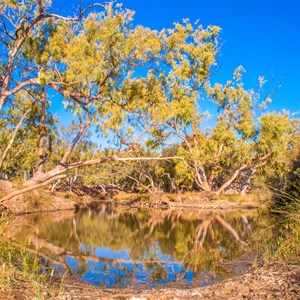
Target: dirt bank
[[273, 281], [43, 200], [203, 201], [40, 200]]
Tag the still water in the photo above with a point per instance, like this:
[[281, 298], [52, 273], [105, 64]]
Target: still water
[[115, 247]]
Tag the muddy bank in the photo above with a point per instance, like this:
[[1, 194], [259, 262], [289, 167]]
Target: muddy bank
[[273, 281], [200, 200], [36, 203]]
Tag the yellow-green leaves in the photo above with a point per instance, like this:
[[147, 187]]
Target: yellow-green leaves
[[276, 132], [236, 105]]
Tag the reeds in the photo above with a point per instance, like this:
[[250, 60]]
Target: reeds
[[22, 273], [286, 204]]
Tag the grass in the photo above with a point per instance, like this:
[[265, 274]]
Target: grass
[[286, 245], [254, 197], [22, 274]]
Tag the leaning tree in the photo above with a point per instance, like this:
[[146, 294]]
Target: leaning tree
[[127, 81], [133, 85]]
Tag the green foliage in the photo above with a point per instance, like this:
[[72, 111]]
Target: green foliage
[[244, 139], [137, 87], [286, 206], [22, 157]]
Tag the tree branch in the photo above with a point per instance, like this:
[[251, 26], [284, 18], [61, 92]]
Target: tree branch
[[230, 180]]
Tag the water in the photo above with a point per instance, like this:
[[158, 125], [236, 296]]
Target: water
[[142, 248]]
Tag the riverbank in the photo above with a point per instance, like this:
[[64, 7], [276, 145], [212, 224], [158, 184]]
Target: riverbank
[[272, 281], [265, 279], [44, 200]]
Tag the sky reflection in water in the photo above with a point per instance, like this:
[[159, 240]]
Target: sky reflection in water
[[143, 248]]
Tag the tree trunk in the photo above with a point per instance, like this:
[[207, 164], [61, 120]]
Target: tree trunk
[[201, 180], [2, 100], [39, 176], [29, 188], [13, 136], [41, 152], [246, 182], [230, 180]]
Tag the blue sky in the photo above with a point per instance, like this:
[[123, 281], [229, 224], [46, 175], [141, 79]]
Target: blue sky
[[261, 35]]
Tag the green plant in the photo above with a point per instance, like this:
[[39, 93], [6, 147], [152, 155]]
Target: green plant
[[286, 204]]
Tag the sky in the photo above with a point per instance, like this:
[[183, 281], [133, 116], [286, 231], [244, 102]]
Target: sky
[[261, 35]]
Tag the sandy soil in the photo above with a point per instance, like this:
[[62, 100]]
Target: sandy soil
[[273, 281]]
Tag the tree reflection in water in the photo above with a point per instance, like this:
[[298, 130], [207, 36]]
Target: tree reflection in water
[[116, 246]]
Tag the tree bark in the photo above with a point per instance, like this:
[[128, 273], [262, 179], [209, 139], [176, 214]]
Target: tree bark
[[246, 182], [201, 180]]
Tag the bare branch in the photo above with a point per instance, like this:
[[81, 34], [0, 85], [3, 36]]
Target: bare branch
[[231, 179]]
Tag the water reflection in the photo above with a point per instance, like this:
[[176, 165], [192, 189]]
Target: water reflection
[[113, 246]]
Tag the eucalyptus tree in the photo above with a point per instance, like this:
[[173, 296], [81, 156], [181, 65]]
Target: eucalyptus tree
[[134, 86], [126, 80], [26, 26], [26, 135], [245, 138]]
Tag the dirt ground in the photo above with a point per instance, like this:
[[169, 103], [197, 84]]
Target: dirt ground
[[273, 281]]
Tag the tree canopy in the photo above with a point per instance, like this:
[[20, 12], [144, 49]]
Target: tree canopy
[[135, 86]]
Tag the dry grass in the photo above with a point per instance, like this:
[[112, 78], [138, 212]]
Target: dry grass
[[255, 197], [14, 265], [5, 187], [21, 274]]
